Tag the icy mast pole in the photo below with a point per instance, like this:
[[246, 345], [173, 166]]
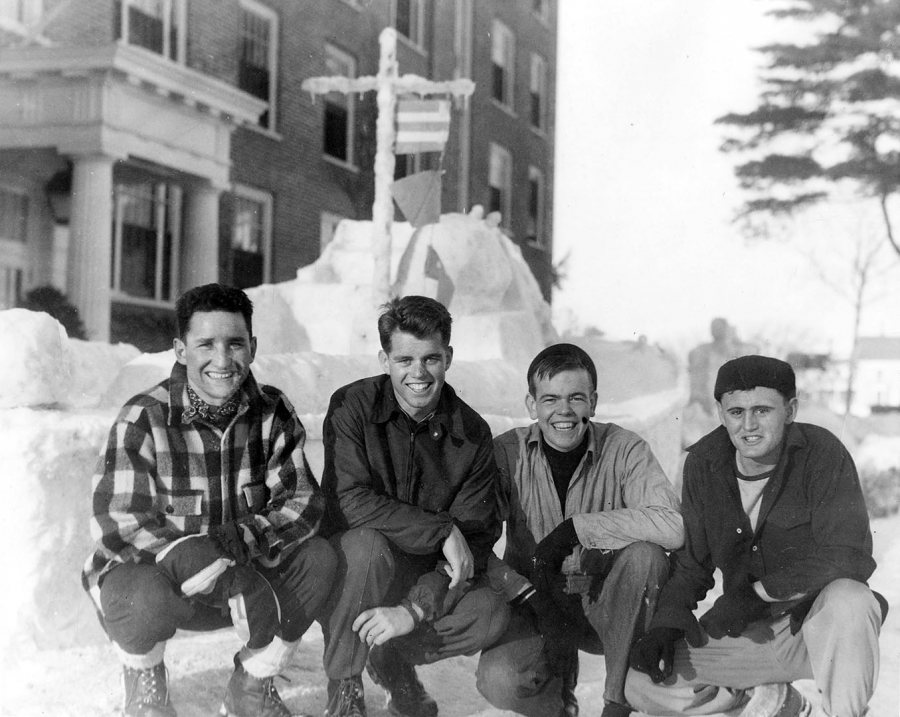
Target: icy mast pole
[[382, 208], [387, 84]]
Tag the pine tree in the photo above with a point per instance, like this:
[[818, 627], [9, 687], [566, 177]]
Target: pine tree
[[829, 112]]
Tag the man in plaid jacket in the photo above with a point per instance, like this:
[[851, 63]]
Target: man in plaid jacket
[[205, 514]]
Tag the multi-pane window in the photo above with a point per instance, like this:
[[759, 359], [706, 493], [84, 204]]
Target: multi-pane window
[[251, 237], [146, 233], [409, 20], [503, 54], [535, 228], [258, 56], [13, 248], [538, 92], [500, 183], [155, 25], [339, 108]]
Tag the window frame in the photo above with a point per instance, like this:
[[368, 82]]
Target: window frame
[[174, 13], [350, 98], [537, 85], [499, 153], [537, 237], [269, 16], [174, 219], [14, 248], [503, 45], [267, 204], [417, 13]]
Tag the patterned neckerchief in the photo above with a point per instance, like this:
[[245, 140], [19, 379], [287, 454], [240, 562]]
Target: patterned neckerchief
[[219, 416]]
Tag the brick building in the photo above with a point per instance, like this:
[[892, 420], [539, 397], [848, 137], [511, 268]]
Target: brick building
[[147, 146]]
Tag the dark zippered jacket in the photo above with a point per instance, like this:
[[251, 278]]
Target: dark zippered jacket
[[812, 528], [409, 481]]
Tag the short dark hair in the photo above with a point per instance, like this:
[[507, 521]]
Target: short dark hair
[[748, 372], [212, 297], [558, 358], [416, 315]]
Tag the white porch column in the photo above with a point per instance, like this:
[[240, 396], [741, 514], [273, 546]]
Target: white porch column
[[90, 242], [200, 246]]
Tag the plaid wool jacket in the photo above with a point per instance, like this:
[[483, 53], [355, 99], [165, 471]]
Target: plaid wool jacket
[[164, 474]]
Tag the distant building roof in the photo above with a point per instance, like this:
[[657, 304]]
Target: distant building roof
[[879, 348]]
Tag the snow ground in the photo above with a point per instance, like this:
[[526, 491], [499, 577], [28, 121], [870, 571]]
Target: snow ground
[[84, 682]]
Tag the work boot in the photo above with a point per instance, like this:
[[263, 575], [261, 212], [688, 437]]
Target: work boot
[[346, 698], [249, 696], [569, 683], [146, 692], [406, 696]]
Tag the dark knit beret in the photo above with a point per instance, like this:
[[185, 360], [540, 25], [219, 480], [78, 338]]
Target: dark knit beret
[[749, 372]]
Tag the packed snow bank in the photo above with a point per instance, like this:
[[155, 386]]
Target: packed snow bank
[[41, 366], [465, 261]]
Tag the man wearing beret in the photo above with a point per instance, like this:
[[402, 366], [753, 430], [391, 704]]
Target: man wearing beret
[[775, 505]]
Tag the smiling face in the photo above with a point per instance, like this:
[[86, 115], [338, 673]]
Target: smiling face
[[217, 350], [416, 367], [562, 406], [756, 421]]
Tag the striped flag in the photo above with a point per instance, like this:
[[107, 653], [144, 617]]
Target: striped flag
[[422, 125]]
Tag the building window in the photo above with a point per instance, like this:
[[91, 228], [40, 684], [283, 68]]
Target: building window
[[339, 107], [327, 228], [541, 9], [146, 235], [20, 16], [538, 92], [500, 183], [258, 56], [503, 54], [409, 20], [535, 228], [251, 237], [407, 164], [13, 245], [155, 25]]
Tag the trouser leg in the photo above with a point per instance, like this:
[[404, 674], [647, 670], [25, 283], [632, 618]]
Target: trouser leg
[[716, 677], [365, 569], [475, 621], [625, 606], [840, 635], [141, 610], [301, 584], [514, 673]]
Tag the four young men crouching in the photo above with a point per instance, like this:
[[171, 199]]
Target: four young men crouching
[[206, 515]]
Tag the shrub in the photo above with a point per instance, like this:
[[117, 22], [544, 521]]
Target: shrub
[[52, 301]]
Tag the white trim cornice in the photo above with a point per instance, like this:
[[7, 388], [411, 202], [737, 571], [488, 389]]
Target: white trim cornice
[[139, 67]]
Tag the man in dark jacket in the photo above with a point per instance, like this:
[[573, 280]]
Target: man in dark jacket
[[409, 480], [777, 507]]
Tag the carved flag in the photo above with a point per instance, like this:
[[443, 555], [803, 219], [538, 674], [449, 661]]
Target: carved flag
[[422, 125]]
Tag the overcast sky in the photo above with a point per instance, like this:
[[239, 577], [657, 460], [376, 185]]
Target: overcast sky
[[644, 199]]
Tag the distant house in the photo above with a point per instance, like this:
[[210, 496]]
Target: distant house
[[877, 384]]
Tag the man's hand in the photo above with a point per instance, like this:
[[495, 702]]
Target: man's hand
[[550, 554], [379, 624], [734, 610], [229, 538], [461, 564], [655, 648]]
